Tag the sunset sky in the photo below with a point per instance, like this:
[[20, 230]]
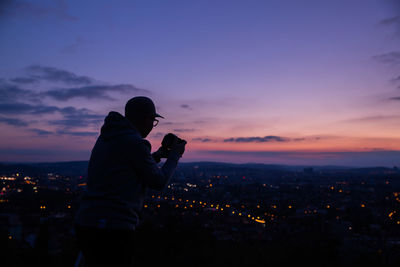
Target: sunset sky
[[275, 81]]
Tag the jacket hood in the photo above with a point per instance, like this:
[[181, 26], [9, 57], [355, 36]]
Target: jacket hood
[[115, 124]]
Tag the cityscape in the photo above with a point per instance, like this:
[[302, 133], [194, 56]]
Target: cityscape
[[217, 213]]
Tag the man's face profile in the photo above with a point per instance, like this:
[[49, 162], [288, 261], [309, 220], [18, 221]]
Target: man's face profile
[[147, 126]]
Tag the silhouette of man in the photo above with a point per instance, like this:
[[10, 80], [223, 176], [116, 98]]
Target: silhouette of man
[[120, 170]]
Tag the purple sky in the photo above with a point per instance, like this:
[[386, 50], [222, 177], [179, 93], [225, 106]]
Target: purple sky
[[291, 82]]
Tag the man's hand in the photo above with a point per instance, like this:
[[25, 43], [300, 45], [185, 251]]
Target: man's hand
[[179, 146], [163, 152], [160, 153]]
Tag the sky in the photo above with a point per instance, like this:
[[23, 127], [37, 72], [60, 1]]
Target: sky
[[275, 81]]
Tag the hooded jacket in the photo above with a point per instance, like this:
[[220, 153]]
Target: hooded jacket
[[120, 170]]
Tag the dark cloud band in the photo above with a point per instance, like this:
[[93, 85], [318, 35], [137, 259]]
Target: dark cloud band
[[94, 92], [56, 75], [13, 122], [23, 108], [392, 58], [269, 138], [203, 140], [184, 130]]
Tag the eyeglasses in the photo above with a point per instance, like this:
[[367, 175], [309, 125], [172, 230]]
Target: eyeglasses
[[155, 122]]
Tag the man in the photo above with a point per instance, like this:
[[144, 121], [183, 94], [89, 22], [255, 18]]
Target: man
[[120, 170]]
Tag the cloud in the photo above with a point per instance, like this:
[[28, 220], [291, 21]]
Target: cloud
[[74, 112], [23, 108], [13, 121], [171, 123], [93, 92], [269, 138], [83, 86], [185, 106], [77, 133], [24, 80], [392, 58], [75, 46], [390, 21], [397, 79], [299, 139], [377, 118], [32, 10], [18, 97], [57, 75], [70, 123], [157, 135], [73, 117], [394, 20], [256, 139], [203, 140], [41, 132], [184, 130], [397, 98], [11, 93]]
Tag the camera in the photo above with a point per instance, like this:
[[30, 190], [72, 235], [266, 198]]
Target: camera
[[169, 139]]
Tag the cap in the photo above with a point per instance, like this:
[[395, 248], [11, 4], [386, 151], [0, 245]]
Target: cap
[[140, 106]]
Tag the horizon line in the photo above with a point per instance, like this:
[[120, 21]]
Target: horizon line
[[220, 162]]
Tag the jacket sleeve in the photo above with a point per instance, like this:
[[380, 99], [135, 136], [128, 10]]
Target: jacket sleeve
[[147, 169]]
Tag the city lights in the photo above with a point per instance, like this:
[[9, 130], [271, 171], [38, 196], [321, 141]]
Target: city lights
[[270, 208]]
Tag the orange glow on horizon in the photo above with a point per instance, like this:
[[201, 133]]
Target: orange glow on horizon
[[337, 144]]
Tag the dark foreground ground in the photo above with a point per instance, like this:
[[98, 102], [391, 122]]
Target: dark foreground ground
[[185, 246]]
